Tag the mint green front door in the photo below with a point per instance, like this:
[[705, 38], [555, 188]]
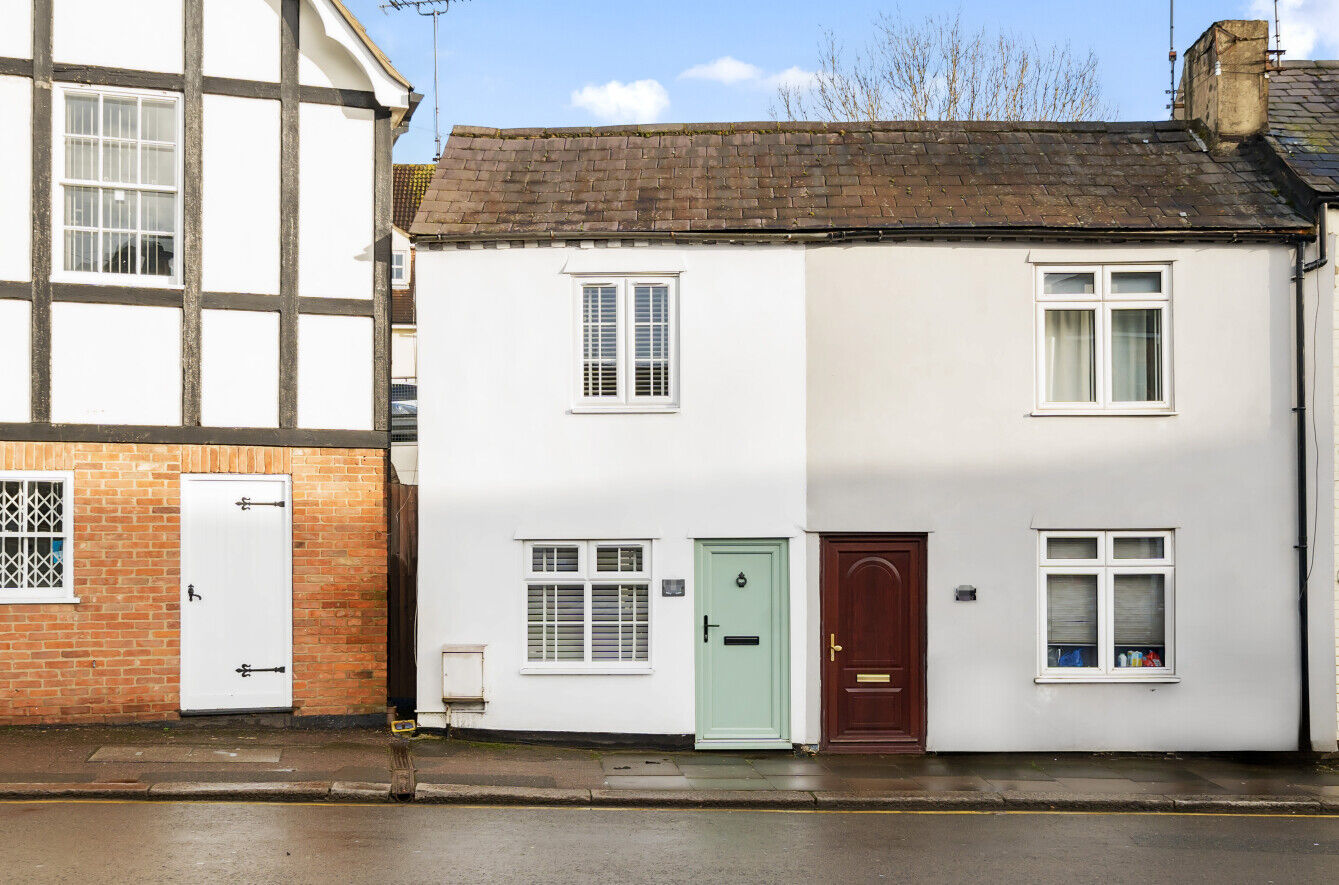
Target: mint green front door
[[742, 601]]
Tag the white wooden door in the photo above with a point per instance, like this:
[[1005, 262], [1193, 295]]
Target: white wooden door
[[236, 593]]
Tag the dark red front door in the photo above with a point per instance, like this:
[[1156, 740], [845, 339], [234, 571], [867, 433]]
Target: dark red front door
[[874, 643]]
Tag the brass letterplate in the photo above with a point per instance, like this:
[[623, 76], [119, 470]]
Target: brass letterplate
[[871, 677]]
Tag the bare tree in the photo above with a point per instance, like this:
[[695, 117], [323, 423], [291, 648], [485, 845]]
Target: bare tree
[[934, 69]]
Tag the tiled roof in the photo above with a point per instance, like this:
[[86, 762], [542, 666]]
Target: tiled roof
[[411, 180], [1304, 121], [767, 177]]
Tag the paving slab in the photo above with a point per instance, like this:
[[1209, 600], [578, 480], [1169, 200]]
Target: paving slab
[[637, 782], [639, 765], [187, 754], [703, 798]]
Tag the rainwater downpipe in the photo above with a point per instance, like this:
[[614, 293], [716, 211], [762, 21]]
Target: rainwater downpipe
[[1302, 268]]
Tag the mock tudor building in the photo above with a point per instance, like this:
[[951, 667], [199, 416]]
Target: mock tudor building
[[881, 437], [194, 358]]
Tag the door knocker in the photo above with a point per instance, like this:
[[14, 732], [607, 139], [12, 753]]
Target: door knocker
[[741, 580]]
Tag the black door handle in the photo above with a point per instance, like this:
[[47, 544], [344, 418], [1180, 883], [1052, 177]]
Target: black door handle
[[191, 595], [706, 626]]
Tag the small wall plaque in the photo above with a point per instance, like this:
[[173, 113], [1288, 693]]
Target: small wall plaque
[[672, 587], [964, 593]]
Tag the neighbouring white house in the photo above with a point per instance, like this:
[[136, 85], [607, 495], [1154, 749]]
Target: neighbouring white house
[[195, 289], [1304, 133], [409, 182], [889, 437]]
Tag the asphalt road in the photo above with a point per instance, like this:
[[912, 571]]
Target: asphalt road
[[208, 842]]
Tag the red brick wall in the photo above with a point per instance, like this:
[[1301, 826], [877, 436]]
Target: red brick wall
[[114, 656]]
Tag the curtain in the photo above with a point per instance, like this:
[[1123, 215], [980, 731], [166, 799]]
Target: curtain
[[1136, 355], [1071, 372]]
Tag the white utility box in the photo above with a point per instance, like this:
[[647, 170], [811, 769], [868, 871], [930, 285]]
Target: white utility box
[[462, 673]]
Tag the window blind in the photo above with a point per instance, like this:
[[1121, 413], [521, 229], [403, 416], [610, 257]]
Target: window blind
[[1071, 609], [1140, 609], [556, 622], [619, 622], [599, 336], [651, 328]]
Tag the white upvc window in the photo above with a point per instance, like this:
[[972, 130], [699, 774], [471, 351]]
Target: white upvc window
[[1106, 605], [626, 344], [588, 606], [36, 516], [117, 193], [1104, 339], [400, 269]]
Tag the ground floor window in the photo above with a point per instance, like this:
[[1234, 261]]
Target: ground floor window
[[1106, 603], [587, 602], [35, 521]]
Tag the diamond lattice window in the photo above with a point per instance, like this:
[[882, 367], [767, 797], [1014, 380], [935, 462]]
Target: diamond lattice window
[[34, 536]]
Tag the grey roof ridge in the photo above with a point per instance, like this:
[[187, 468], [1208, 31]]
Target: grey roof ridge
[[772, 126]]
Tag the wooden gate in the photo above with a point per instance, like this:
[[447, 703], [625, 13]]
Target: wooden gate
[[401, 672]]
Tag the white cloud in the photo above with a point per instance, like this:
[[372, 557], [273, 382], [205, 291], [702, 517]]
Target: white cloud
[[640, 101], [731, 71], [792, 78], [725, 69], [1305, 25]]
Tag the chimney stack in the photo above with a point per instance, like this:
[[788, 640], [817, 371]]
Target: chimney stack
[[1224, 80]]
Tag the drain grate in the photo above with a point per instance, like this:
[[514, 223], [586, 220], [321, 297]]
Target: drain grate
[[402, 771]]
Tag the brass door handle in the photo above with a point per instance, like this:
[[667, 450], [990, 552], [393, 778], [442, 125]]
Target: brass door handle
[[833, 647]]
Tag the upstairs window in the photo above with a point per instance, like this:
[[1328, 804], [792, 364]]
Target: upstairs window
[[35, 516], [1103, 339], [400, 270], [627, 341], [588, 604], [117, 168]]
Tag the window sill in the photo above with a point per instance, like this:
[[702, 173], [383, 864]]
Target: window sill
[[623, 410], [38, 600], [1160, 678], [117, 280], [1103, 413], [586, 671]]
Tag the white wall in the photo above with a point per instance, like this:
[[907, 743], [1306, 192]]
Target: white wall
[[16, 28], [920, 388], [16, 184], [145, 35], [240, 209], [239, 368], [322, 59], [335, 372], [336, 202], [242, 39], [112, 364], [15, 368], [502, 459], [404, 352]]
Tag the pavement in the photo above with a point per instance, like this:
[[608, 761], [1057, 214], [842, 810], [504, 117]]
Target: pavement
[[116, 842], [371, 765]]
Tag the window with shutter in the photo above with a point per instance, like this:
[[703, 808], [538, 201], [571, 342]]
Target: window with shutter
[[627, 345], [35, 532], [588, 604], [1106, 602]]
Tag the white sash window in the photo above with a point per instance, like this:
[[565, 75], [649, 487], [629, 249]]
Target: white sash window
[[117, 168], [627, 344]]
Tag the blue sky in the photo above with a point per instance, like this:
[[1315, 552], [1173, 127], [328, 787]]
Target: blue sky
[[584, 62]]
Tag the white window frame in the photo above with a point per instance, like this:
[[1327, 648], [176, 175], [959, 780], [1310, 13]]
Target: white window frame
[[1102, 302], [403, 281], [1106, 567], [626, 401], [65, 594], [58, 183], [587, 576]]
